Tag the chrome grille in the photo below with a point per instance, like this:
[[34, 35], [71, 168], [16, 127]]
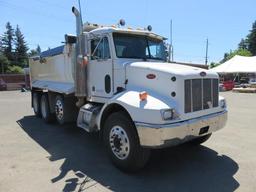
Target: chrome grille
[[200, 94]]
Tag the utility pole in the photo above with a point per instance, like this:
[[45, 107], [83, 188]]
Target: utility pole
[[206, 54], [171, 43]]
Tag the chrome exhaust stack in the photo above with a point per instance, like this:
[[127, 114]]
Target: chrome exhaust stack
[[81, 60], [79, 22]]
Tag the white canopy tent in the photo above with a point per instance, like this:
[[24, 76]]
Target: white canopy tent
[[238, 64]]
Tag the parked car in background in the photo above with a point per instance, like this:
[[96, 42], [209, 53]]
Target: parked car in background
[[228, 85], [252, 81], [3, 85]]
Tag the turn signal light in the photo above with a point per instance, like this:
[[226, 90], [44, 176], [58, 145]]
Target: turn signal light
[[85, 60], [143, 95]]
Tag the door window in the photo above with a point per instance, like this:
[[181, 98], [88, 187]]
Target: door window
[[100, 49]]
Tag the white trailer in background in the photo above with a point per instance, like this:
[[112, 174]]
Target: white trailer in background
[[117, 82]]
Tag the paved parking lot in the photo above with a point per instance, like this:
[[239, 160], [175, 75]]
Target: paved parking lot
[[39, 157]]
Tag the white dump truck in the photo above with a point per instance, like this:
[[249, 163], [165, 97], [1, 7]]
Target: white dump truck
[[117, 81]]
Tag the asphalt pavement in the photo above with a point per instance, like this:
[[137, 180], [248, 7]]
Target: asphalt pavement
[[35, 156]]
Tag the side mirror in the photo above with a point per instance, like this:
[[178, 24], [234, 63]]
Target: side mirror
[[70, 39]]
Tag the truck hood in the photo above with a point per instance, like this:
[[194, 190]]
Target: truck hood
[[171, 68], [166, 81]]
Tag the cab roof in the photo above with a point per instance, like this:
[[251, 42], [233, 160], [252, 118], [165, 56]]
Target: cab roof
[[97, 29]]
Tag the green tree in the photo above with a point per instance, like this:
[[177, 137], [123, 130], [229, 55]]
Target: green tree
[[35, 52], [21, 48], [243, 44], [241, 52], [4, 63], [213, 64], [251, 38], [32, 53], [1, 45], [38, 49], [14, 69], [7, 42]]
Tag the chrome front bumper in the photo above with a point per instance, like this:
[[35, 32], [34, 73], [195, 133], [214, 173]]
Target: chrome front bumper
[[158, 136]]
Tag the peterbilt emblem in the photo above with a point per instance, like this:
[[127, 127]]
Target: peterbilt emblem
[[151, 76], [203, 74]]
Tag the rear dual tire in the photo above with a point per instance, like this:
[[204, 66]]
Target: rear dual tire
[[41, 106], [59, 109], [36, 97], [65, 110], [46, 114]]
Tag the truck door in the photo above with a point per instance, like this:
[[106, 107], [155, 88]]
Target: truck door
[[100, 69]]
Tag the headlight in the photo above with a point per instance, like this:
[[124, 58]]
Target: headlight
[[167, 114], [223, 103]]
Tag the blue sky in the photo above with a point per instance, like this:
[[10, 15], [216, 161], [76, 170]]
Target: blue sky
[[223, 22]]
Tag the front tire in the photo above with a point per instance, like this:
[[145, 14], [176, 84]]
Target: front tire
[[122, 143]]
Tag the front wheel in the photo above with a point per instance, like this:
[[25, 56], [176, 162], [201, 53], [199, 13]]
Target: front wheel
[[122, 143]]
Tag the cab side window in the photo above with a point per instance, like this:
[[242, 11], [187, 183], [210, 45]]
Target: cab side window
[[100, 49]]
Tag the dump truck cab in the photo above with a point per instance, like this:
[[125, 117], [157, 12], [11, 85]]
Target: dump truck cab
[[111, 50], [118, 81]]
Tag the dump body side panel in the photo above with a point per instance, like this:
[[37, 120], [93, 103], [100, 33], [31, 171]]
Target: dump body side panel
[[54, 71]]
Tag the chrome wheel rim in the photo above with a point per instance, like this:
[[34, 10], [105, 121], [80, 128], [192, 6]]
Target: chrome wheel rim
[[59, 109], [119, 142], [43, 107]]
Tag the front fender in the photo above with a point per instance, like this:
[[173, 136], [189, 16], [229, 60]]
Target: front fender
[[147, 111]]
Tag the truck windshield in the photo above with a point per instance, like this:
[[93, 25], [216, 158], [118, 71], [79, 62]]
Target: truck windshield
[[139, 47]]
